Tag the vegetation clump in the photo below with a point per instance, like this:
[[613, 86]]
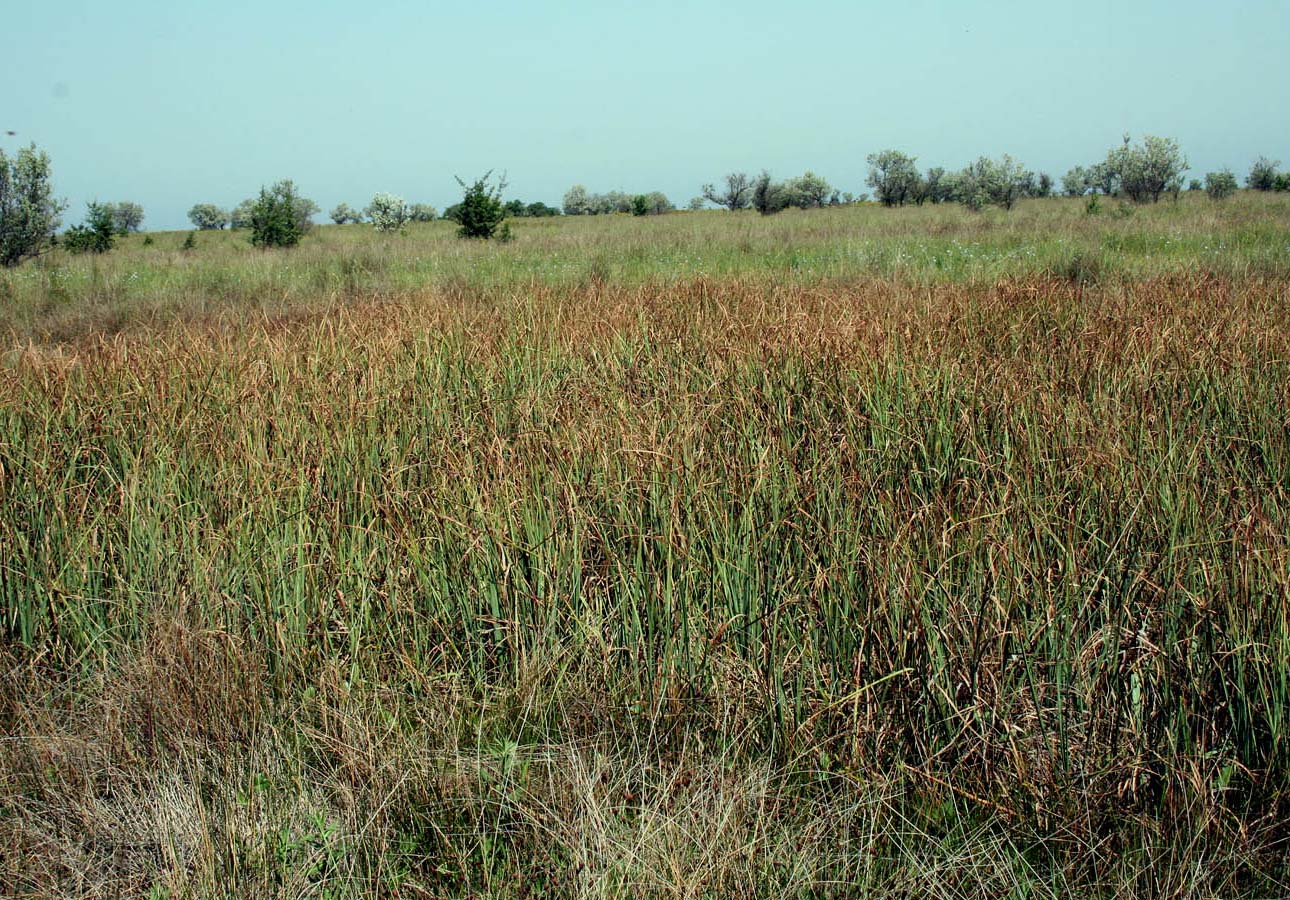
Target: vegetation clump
[[96, 235], [29, 213], [481, 212], [281, 217]]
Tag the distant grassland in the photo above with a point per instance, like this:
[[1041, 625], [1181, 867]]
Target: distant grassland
[[61, 296], [857, 552]]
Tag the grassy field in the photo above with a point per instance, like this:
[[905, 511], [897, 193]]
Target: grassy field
[[844, 553]]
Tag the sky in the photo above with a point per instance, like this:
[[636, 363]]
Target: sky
[[169, 104]]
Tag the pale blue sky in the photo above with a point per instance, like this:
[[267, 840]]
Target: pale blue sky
[[169, 103]]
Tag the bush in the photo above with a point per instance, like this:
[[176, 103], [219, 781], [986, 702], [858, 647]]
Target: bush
[[208, 216], [1220, 185], [808, 191], [96, 235], [987, 181], [241, 215], [388, 212], [126, 216], [280, 217], [190, 242], [1281, 182], [1263, 174], [482, 211], [29, 214], [1075, 183], [422, 212], [768, 197], [576, 201], [345, 213], [1147, 171]]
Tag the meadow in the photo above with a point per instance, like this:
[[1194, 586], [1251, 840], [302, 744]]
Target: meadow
[[839, 553]]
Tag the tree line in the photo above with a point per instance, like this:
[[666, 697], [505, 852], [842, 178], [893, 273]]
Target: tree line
[[1145, 172]]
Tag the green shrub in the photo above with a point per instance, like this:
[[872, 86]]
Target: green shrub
[[280, 216], [481, 212], [97, 234], [1220, 185], [1263, 174]]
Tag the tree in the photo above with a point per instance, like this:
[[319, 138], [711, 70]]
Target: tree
[[96, 235], [1045, 186], [736, 193], [1150, 169], [126, 216], [696, 204], [29, 214], [656, 203], [1220, 185], [1075, 183], [1263, 174], [576, 201], [388, 212], [280, 216], [807, 191], [938, 190], [987, 181], [768, 197], [482, 210], [422, 212], [1104, 177], [539, 210], [893, 176], [345, 213], [640, 205], [241, 215], [208, 217], [304, 210], [1282, 182]]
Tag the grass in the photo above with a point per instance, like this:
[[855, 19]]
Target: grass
[[848, 553]]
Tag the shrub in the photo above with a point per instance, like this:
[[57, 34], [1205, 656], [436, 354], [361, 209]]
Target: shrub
[[345, 213], [807, 191], [1263, 174], [208, 216], [1147, 171], [96, 235], [987, 181], [640, 206], [422, 212], [540, 210], [576, 201], [29, 214], [280, 217], [190, 242], [1220, 185], [1281, 182], [241, 215], [1075, 183], [482, 211], [388, 212], [768, 197], [126, 216]]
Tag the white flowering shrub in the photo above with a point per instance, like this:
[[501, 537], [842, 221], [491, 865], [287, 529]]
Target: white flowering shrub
[[388, 212]]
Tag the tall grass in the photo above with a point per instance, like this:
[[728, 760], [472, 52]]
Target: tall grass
[[664, 582]]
